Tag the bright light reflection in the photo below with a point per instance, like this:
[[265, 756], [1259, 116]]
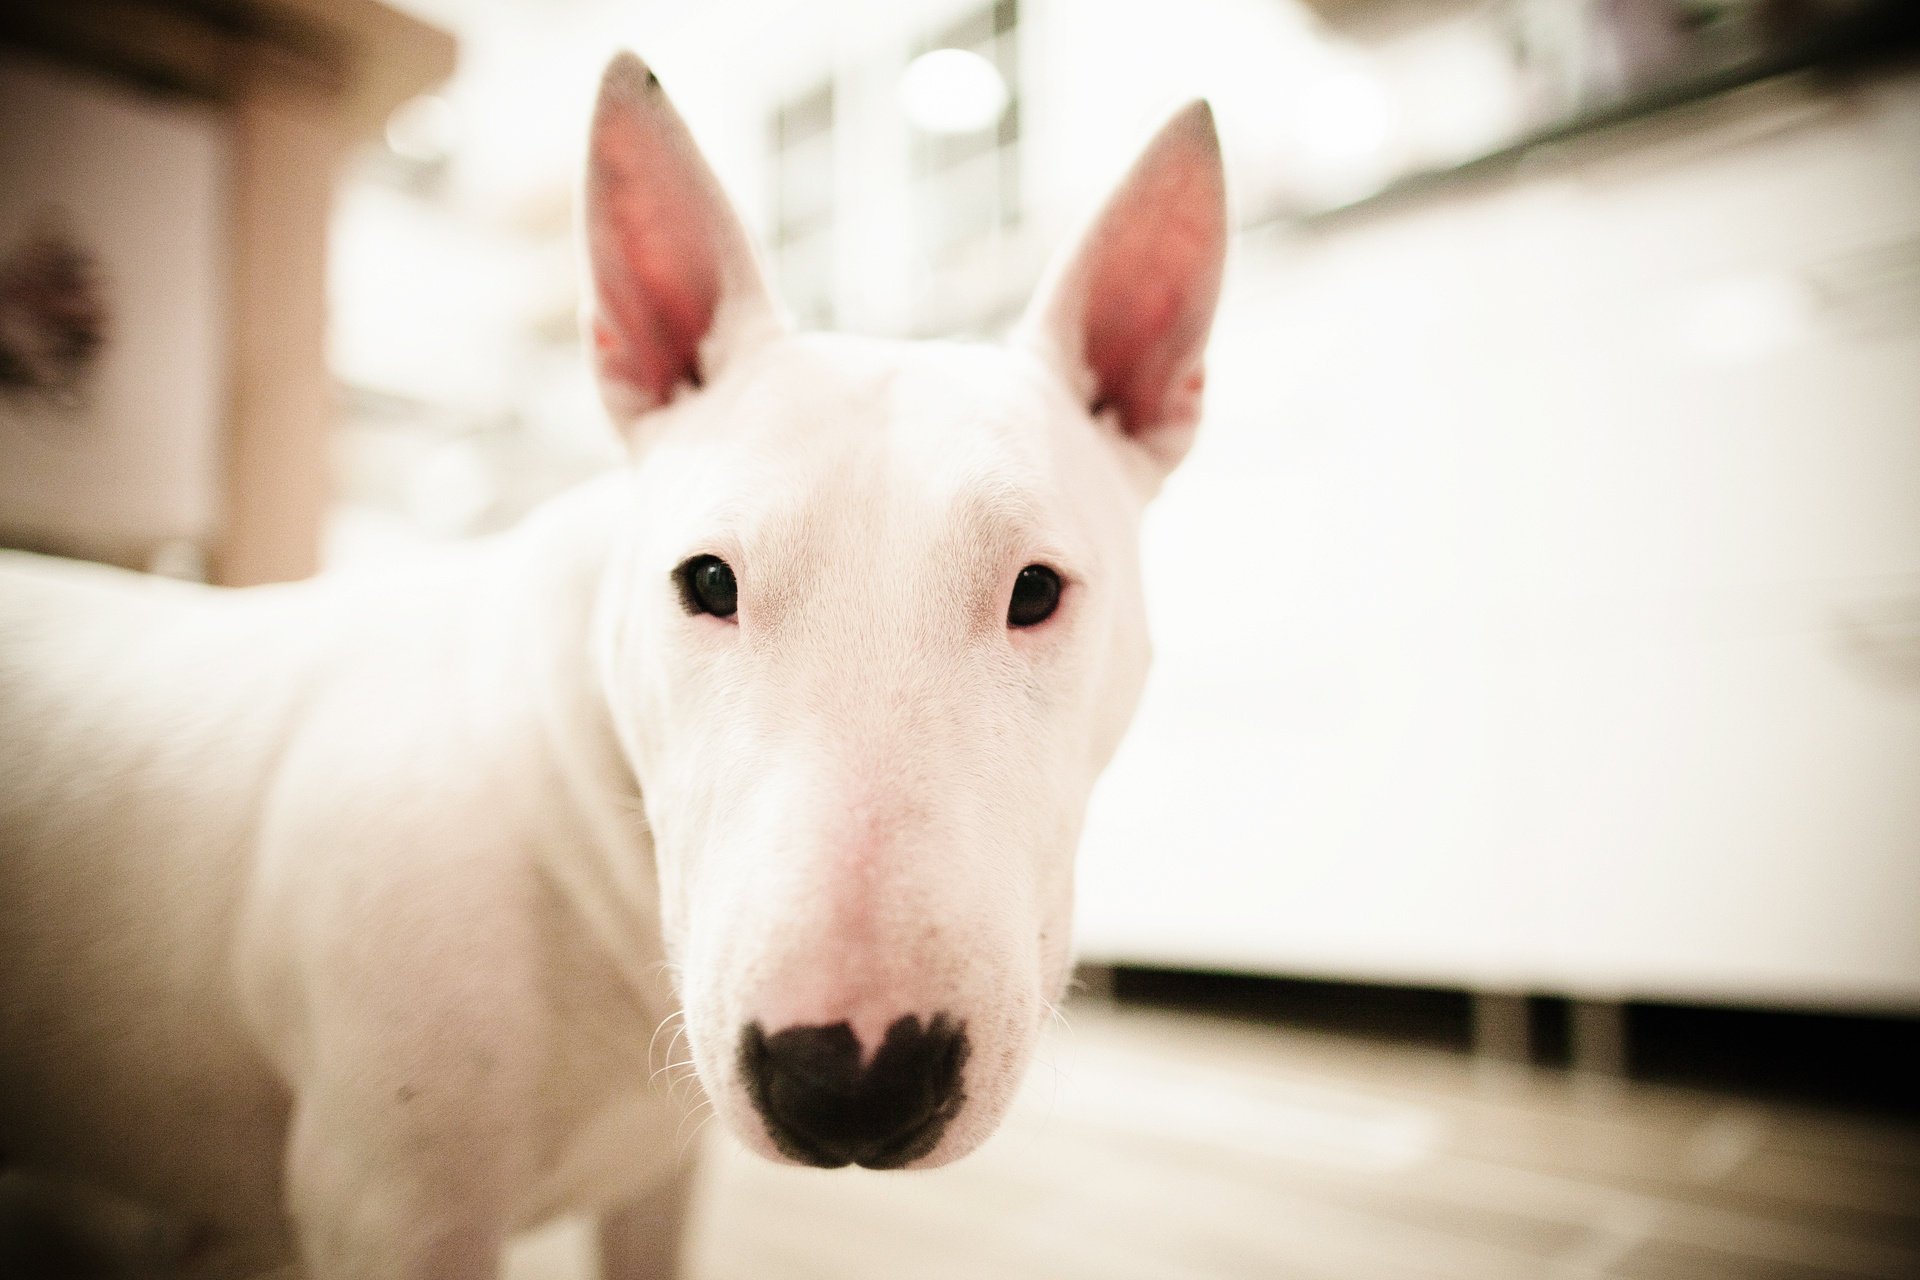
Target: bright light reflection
[[1349, 114], [952, 91]]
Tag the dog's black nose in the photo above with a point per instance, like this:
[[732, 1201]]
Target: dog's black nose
[[822, 1108]]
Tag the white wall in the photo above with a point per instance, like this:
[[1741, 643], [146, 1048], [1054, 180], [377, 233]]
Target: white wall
[[1542, 606]]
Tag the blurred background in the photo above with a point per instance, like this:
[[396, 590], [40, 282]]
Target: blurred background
[[1514, 869]]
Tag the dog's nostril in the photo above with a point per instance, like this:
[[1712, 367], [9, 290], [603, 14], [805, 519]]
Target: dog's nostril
[[822, 1107]]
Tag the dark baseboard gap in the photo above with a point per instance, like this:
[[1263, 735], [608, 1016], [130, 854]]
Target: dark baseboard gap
[[1856, 1062], [1408, 1015], [1852, 1061]]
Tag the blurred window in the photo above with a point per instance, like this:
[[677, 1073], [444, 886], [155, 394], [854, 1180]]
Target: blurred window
[[803, 201], [966, 185]]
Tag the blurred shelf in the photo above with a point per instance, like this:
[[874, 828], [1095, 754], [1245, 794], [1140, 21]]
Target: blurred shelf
[[1878, 33], [362, 56]]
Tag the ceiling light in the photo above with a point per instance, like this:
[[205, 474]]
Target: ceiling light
[[952, 91]]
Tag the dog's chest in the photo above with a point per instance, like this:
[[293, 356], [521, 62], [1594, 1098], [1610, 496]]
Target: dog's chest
[[613, 1115], [611, 1155]]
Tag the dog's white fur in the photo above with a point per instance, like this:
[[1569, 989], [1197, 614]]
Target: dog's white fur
[[335, 921]]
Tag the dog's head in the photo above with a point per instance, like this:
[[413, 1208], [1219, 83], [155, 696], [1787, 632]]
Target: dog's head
[[876, 630]]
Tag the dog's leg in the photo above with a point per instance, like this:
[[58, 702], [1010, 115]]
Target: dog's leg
[[644, 1239], [394, 969], [366, 1205], [408, 1144], [53, 1227]]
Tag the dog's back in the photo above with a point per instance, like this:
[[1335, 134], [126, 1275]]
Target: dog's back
[[123, 817], [155, 736]]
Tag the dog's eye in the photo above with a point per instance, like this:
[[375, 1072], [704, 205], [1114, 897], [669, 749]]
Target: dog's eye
[[1036, 594], [707, 586]]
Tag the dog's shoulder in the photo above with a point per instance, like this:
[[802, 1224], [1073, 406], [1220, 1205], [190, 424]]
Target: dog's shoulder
[[47, 589], [60, 619]]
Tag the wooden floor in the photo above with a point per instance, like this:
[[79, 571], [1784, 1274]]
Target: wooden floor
[[1159, 1146]]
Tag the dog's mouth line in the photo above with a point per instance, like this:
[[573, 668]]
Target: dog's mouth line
[[896, 1153]]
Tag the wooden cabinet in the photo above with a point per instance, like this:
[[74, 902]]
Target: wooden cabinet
[[189, 163]]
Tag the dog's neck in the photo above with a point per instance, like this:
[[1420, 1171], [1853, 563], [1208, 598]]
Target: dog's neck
[[593, 844]]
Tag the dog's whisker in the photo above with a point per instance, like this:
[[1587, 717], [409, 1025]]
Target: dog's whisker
[[701, 1114], [684, 1075], [677, 1071], [664, 1024]]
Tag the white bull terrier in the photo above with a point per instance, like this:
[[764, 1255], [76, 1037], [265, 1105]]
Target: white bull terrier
[[337, 920]]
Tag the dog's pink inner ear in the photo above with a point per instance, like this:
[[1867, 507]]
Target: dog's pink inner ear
[[655, 280], [1136, 301], [665, 247]]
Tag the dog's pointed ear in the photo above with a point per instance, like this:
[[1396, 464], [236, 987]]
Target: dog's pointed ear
[[676, 289], [1125, 313]]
